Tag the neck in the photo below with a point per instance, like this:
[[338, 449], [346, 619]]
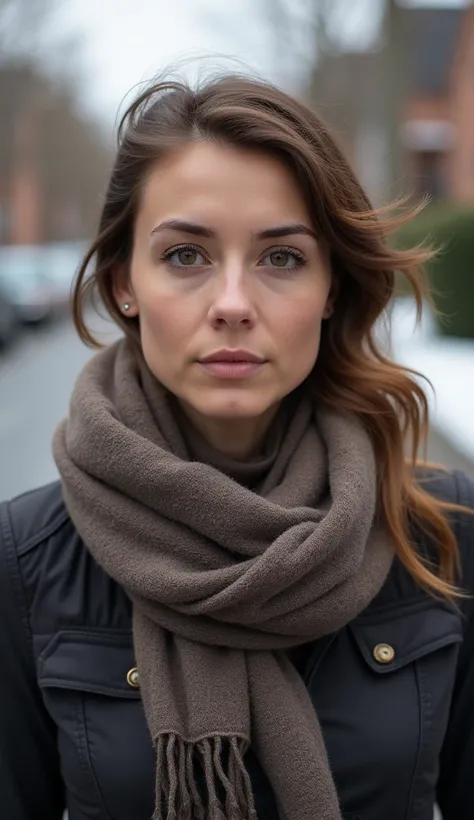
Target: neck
[[239, 439]]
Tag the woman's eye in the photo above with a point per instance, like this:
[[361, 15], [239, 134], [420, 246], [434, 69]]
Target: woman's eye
[[283, 259], [185, 257]]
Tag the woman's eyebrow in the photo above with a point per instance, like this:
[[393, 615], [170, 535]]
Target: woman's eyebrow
[[182, 226], [286, 230]]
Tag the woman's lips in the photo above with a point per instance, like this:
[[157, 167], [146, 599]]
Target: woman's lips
[[232, 370]]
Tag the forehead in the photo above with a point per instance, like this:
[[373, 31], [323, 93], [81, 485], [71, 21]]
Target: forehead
[[214, 183]]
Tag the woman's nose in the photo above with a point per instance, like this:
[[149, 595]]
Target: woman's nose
[[233, 303]]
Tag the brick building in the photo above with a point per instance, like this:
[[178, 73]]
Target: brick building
[[438, 128], [54, 163], [436, 117]]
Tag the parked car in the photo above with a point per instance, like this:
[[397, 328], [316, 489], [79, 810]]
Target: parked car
[[62, 260], [23, 277], [8, 318]]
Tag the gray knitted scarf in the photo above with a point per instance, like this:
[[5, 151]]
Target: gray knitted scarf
[[224, 576]]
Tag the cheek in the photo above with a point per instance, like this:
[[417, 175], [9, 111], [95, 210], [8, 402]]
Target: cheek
[[164, 316], [166, 327], [300, 331]]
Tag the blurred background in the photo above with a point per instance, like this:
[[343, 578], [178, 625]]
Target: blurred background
[[394, 80]]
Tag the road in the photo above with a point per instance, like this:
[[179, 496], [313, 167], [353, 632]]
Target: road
[[36, 378]]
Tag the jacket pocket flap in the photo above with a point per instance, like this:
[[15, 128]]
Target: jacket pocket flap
[[392, 641], [90, 662]]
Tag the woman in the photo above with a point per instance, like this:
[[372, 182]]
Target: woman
[[234, 485]]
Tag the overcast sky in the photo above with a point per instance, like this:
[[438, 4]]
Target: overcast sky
[[124, 42]]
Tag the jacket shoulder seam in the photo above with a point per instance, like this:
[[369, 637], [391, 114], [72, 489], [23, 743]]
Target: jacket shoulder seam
[[11, 558], [45, 532]]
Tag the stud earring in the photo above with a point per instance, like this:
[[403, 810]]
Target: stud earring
[[126, 306]]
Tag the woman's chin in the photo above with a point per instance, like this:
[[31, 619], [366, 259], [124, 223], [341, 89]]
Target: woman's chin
[[231, 408]]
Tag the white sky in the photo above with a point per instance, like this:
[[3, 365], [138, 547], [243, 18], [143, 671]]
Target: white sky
[[124, 42]]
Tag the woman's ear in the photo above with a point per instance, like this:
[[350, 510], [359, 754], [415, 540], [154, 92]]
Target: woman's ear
[[332, 298], [124, 294]]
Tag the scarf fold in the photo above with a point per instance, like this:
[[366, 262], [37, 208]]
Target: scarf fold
[[224, 576]]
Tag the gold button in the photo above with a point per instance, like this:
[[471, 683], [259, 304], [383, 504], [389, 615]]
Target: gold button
[[384, 653], [132, 678]]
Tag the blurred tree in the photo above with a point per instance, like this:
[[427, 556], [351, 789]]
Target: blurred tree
[[358, 85], [75, 160], [298, 36], [394, 89], [20, 24], [54, 162]]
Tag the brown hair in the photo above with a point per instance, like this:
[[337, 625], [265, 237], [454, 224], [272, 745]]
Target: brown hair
[[352, 372]]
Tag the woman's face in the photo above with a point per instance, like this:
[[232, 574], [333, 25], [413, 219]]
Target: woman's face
[[225, 262]]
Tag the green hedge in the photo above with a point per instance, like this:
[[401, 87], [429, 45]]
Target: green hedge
[[451, 272]]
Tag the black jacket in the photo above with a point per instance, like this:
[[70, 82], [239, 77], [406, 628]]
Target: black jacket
[[399, 730]]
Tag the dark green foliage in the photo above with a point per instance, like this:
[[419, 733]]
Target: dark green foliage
[[451, 273]]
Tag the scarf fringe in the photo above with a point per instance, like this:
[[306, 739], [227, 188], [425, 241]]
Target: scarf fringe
[[177, 793]]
